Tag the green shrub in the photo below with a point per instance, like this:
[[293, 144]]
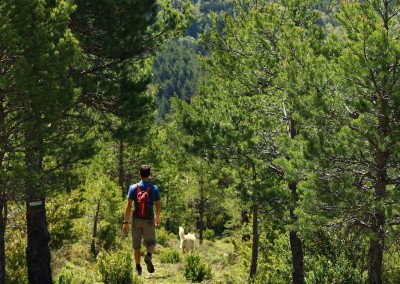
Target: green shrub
[[106, 234], [228, 278], [342, 271], [195, 269], [115, 268], [61, 213], [71, 275], [391, 265], [66, 277], [16, 270], [162, 237], [209, 234], [169, 256]]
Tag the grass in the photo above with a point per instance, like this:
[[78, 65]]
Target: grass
[[217, 254], [173, 272]]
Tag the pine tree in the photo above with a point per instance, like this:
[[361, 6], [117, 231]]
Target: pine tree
[[66, 64], [115, 65], [36, 95], [355, 147]]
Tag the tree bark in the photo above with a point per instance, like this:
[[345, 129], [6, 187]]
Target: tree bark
[[377, 244], [381, 179], [296, 246], [37, 252], [297, 258], [255, 243], [375, 259], [256, 237]]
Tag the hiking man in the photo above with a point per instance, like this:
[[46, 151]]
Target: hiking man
[[143, 221]]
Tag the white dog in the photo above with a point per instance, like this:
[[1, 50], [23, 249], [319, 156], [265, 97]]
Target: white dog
[[187, 241]]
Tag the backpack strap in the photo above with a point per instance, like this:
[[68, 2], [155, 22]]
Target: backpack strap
[[138, 188]]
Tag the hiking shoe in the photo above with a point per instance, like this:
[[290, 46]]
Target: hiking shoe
[[150, 266], [139, 270]]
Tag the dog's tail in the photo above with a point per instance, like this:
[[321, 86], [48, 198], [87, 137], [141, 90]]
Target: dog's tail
[[181, 233]]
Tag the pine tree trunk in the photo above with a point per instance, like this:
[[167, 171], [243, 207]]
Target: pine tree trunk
[[256, 237], [3, 218], [297, 258], [377, 244], [381, 179], [255, 243], [296, 244], [201, 228], [38, 252], [375, 259]]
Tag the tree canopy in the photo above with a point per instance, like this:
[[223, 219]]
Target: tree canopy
[[271, 128]]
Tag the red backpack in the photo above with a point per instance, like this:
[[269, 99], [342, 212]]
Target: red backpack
[[142, 209]]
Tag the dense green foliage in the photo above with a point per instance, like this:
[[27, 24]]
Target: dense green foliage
[[276, 142], [176, 70], [116, 268], [202, 10], [195, 270]]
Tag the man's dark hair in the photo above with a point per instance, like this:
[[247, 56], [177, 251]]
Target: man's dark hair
[[144, 171]]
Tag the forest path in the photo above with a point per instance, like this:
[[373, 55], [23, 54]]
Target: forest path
[[217, 254]]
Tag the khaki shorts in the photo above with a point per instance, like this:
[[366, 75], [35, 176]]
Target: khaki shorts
[[143, 228]]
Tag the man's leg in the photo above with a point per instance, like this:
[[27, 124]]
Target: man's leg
[[137, 261], [150, 248], [149, 237], [137, 232], [137, 256]]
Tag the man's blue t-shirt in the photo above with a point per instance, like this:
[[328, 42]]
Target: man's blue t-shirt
[[154, 194]]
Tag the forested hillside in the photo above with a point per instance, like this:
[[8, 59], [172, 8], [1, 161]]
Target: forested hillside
[[271, 128]]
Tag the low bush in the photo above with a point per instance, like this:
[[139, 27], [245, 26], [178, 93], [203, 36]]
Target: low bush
[[168, 255], [164, 237], [195, 269], [209, 234], [71, 274], [116, 267]]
